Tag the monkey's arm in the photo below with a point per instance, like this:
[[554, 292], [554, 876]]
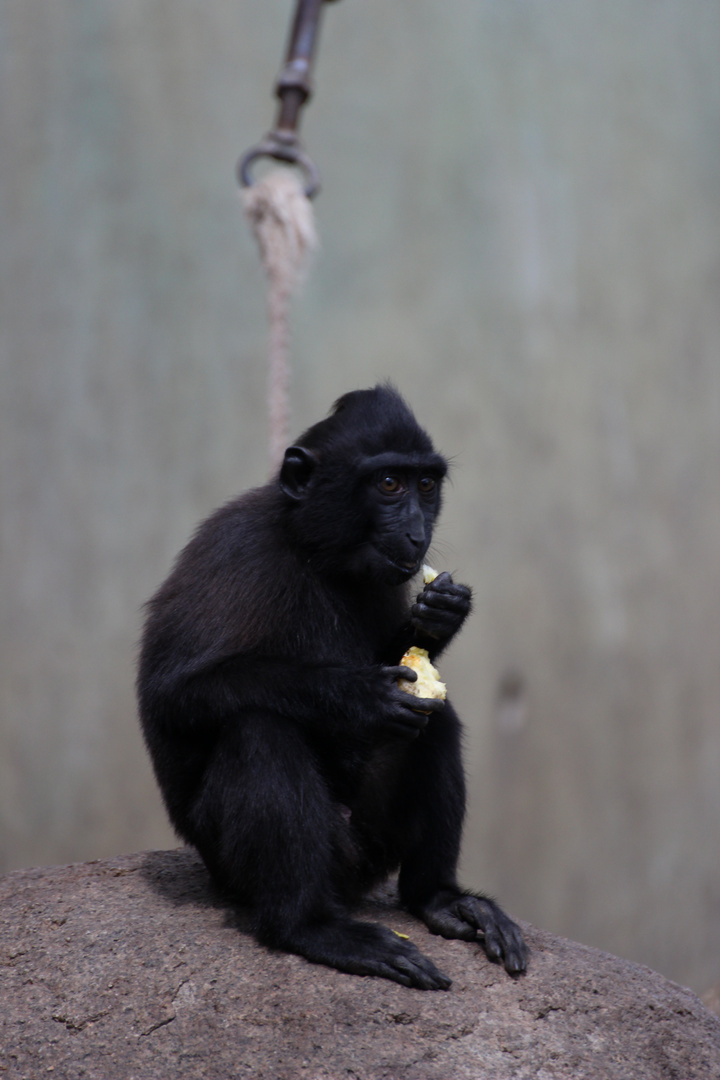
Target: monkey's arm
[[328, 698], [427, 883]]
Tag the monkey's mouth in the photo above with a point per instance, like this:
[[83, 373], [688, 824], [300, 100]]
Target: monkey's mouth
[[403, 566]]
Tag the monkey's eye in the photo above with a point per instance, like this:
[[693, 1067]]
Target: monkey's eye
[[390, 485], [426, 485]]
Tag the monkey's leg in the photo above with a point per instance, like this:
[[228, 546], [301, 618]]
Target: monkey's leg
[[264, 825], [433, 792]]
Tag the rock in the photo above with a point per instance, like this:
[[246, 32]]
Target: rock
[[136, 968], [711, 999]]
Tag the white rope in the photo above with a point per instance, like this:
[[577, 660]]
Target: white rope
[[282, 221]]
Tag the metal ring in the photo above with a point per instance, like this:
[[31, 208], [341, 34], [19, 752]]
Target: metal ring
[[286, 150]]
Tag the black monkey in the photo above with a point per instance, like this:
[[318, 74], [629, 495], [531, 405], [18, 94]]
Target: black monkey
[[286, 752]]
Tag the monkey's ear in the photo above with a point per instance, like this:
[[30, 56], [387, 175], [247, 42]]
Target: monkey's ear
[[296, 471]]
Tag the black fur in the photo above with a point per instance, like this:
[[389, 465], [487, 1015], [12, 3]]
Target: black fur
[[285, 750]]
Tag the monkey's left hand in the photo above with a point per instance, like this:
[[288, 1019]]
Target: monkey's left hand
[[441, 609], [478, 918]]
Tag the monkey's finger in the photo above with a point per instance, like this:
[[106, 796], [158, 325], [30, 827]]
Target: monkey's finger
[[437, 605], [443, 602], [430, 980], [415, 978], [455, 596], [414, 717], [400, 672], [436, 624], [388, 971], [451, 607], [424, 705], [492, 944], [449, 925], [421, 613], [515, 951], [441, 581], [516, 959], [402, 731], [510, 949], [422, 971], [449, 593], [406, 725]]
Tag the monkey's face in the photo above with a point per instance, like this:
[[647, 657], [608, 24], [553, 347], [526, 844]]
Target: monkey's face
[[402, 504], [363, 505]]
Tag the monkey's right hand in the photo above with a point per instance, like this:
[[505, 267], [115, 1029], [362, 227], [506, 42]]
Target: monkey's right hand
[[399, 713]]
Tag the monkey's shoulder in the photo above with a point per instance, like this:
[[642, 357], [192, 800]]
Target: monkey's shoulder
[[238, 581], [240, 540]]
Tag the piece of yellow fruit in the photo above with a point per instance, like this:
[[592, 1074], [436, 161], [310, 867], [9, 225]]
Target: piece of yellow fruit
[[428, 684]]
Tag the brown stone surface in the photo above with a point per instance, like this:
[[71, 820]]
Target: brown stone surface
[[711, 999], [134, 968]]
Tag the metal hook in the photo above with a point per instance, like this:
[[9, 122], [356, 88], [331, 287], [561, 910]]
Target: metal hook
[[282, 146], [294, 89]]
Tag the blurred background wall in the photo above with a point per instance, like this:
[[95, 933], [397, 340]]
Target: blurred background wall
[[521, 227]]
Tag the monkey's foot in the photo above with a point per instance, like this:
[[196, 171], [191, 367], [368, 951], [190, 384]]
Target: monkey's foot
[[473, 918], [367, 949]]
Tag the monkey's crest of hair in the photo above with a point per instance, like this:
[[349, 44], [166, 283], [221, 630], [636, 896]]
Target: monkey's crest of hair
[[369, 421]]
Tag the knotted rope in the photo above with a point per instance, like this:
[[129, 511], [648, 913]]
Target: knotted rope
[[282, 221]]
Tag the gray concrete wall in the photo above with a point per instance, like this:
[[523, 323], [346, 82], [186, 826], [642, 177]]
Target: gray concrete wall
[[520, 226]]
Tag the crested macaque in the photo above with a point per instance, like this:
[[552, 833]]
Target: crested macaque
[[271, 700]]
